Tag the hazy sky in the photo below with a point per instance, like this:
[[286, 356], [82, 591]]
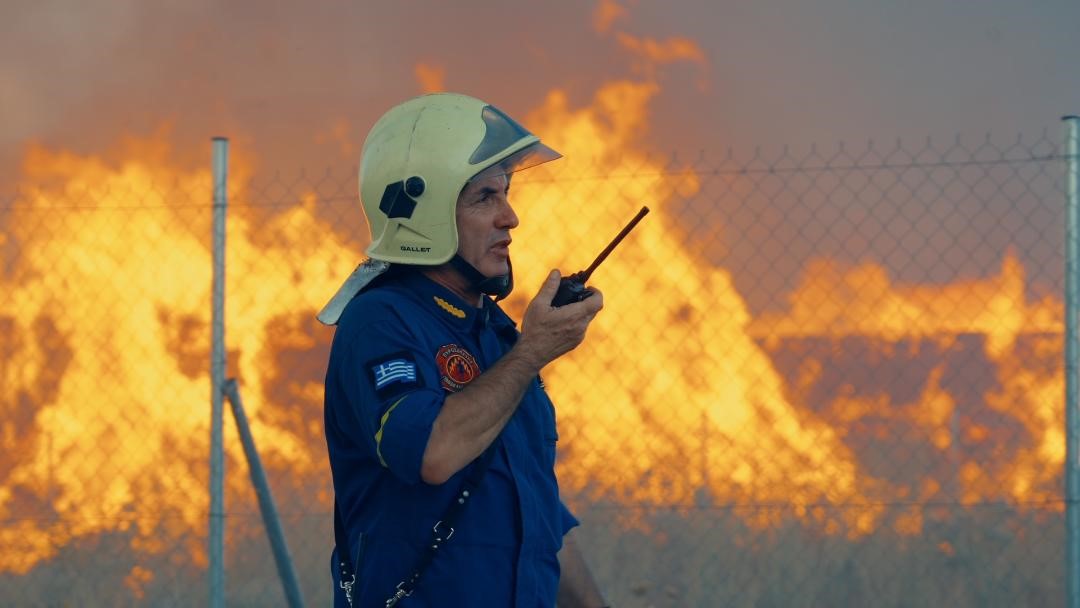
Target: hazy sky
[[301, 82]]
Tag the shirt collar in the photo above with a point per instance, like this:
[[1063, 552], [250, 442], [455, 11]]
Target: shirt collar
[[449, 307]]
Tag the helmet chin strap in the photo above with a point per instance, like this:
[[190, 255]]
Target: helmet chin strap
[[499, 286]]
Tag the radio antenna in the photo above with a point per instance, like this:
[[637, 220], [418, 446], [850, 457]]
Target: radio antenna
[[585, 274]]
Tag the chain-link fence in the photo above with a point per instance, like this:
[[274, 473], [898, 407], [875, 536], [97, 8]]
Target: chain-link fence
[[824, 378]]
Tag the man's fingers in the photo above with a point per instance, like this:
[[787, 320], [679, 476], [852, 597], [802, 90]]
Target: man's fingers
[[590, 305], [596, 301]]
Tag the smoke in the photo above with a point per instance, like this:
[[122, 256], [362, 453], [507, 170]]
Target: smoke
[[274, 77]]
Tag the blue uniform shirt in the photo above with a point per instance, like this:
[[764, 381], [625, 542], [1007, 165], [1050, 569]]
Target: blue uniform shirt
[[400, 348]]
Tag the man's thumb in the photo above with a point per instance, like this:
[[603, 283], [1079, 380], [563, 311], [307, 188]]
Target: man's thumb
[[551, 284]]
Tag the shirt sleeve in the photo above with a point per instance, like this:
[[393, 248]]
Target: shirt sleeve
[[394, 386]]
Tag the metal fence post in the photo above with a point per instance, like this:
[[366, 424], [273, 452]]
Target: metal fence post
[[1072, 351], [217, 379], [286, 571]]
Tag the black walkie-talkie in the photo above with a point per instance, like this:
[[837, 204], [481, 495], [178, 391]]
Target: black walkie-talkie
[[572, 288]]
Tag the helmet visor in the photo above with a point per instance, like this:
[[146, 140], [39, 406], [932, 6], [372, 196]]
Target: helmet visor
[[529, 156]]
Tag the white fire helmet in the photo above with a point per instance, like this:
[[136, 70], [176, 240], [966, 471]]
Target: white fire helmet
[[415, 162]]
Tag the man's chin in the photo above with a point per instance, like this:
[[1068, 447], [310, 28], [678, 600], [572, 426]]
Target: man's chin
[[497, 270]]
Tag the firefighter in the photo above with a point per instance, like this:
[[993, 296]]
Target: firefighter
[[440, 434]]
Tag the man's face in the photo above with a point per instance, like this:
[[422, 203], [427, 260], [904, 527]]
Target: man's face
[[484, 221]]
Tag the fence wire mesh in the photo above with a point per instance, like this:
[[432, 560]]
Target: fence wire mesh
[[821, 378]]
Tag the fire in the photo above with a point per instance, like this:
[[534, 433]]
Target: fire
[[1021, 339], [690, 402], [606, 13], [833, 300], [105, 341], [675, 398], [432, 78], [679, 396], [650, 53]]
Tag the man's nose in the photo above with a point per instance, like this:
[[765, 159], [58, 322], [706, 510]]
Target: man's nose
[[507, 218]]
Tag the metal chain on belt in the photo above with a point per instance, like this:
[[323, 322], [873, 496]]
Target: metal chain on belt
[[346, 574], [406, 587], [347, 586]]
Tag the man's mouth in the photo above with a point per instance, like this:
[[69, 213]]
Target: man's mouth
[[502, 247]]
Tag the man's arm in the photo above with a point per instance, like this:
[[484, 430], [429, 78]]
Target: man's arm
[[470, 420], [577, 588]]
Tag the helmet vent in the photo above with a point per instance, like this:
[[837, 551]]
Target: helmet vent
[[414, 186]]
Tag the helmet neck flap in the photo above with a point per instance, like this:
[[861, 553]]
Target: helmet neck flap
[[499, 286]]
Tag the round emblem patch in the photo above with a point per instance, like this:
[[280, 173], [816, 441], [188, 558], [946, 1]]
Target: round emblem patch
[[457, 367]]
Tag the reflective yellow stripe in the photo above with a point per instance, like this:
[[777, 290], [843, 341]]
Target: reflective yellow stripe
[[378, 434]]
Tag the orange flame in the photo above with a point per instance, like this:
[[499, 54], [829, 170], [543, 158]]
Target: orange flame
[[675, 398], [432, 78], [107, 323], [692, 402], [607, 12]]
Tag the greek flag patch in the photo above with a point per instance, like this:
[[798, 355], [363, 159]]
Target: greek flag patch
[[393, 375], [395, 370]]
